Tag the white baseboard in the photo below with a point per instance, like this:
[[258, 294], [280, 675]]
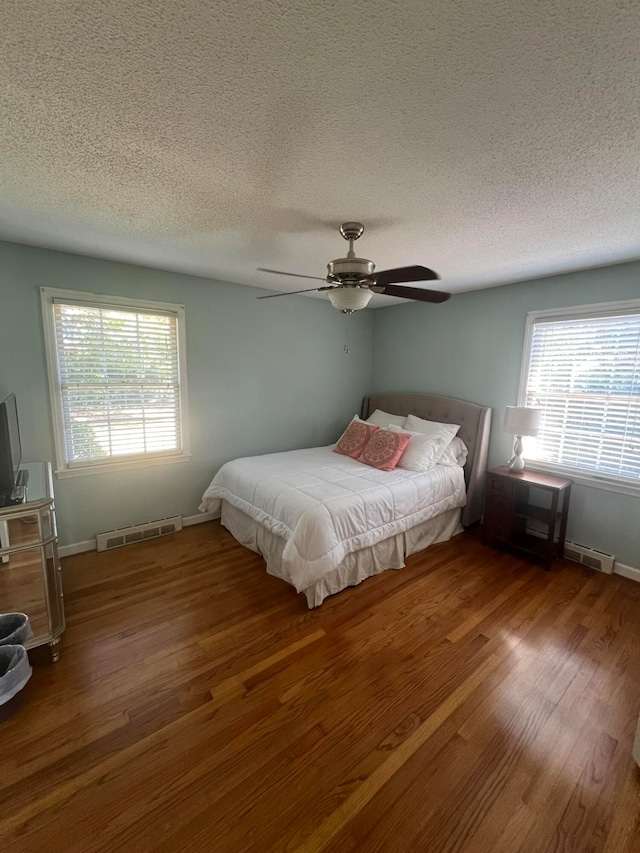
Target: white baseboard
[[90, 544], [199, 518], [626, 571], [77, 548]]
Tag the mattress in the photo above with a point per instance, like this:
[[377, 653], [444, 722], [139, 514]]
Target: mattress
[[326, 506]]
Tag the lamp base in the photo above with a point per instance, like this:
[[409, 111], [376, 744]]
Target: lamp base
[[516, 463]]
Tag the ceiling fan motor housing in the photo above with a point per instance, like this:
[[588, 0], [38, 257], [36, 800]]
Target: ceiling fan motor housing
[[351, 271], [351, 282]]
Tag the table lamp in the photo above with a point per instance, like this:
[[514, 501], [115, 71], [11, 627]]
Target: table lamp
[[519, 421]]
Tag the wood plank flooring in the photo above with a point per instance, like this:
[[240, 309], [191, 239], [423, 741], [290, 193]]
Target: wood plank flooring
[[469, 702]]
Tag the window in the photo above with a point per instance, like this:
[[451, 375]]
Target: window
[[582, 367], [117, 381]]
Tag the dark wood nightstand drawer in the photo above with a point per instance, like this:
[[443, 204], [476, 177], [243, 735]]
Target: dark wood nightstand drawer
[[498, 505], [500, 485], [497, 515]]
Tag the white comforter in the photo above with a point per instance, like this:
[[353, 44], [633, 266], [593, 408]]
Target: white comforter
[[326, 505]]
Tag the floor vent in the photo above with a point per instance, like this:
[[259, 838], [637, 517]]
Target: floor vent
[[597, 560], [137, 533]]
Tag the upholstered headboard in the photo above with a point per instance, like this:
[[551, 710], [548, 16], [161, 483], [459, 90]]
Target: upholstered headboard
[[475, 422]]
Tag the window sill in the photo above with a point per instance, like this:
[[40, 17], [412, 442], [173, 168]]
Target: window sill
[[585, 478], [112, 467]]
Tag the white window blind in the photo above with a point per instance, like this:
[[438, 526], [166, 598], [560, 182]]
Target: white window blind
[[584, 373], [118, 371]]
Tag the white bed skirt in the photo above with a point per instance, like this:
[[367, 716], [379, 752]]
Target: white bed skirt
[[357, 566]]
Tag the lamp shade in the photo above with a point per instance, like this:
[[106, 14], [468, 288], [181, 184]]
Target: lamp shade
[[522, 420]]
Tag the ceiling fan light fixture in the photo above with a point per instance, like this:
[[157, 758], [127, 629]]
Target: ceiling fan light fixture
[[351, 282], [350, 298]]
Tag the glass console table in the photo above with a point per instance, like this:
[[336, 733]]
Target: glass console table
[[30, 575]]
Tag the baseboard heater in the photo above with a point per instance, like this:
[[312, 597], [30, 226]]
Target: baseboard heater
[[598, 560], [137, 533]]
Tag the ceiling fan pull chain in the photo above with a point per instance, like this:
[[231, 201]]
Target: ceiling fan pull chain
[[346, 333]]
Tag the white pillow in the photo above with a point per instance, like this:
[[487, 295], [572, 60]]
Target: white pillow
[[455, 454], [422, 451], [446, 432], [384, 419]]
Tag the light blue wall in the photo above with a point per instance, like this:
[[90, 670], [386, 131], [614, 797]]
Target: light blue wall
[[471, 347], [267, 376], [263, 376]]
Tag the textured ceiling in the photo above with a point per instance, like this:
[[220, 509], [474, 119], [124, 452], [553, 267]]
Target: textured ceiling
[[492, 141]]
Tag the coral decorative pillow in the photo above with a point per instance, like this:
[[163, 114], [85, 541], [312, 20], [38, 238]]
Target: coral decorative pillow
[[354, 439], [384, 449]]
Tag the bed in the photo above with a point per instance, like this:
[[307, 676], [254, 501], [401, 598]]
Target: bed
[[323, 521]]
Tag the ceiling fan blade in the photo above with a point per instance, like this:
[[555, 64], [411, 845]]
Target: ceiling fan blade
[[292, 292], [411, 292], [297, 275], [406, 274]]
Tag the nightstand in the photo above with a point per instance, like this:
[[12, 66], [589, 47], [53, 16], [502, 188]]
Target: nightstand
[[516, 504]]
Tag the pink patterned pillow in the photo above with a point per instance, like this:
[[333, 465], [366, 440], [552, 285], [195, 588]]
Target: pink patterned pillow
[[384, 449], [354, 439]]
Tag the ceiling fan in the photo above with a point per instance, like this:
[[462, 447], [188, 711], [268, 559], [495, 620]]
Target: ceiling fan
[[351, 281]]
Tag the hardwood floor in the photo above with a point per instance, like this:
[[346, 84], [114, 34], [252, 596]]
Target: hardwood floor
[[470, 702]]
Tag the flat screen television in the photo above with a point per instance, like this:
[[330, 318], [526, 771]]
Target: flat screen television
[[10, 450]]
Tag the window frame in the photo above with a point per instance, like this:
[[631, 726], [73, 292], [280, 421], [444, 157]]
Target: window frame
[[607, 482], [65, 468]]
